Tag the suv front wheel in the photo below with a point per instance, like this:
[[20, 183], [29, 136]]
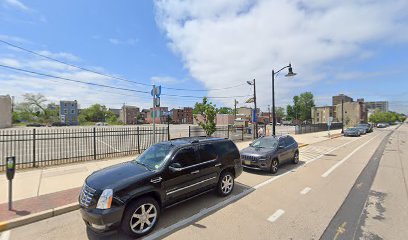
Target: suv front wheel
[[141, 217], [225, 184]]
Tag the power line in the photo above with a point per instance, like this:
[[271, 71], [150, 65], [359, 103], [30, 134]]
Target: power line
[[111, 76], [106, 86], [71, 80], [72, 65]]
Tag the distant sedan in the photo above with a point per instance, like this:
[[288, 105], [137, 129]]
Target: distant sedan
[[352, 132]]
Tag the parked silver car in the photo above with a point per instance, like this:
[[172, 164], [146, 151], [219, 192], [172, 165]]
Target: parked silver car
[[268, 153]]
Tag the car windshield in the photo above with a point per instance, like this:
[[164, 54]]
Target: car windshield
[[265, 143], [352, 129], [362, 125], [155, 156]]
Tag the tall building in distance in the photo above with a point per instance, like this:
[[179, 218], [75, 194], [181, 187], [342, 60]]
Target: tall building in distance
[[381, 105], [129, 114], [69, 112], [5, 111], [337, 99]]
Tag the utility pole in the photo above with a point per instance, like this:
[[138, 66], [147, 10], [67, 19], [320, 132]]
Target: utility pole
[[256, 113], [235, 109], [154, 114], [342, 115], [269, 110]]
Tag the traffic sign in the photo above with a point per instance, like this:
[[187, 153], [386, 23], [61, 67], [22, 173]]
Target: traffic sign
[[156, 91]]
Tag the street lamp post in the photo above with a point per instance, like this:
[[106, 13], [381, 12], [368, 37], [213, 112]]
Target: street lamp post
[[290, 74], [256, 119]]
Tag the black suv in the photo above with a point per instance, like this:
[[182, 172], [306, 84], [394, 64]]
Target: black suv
[[132, 194]]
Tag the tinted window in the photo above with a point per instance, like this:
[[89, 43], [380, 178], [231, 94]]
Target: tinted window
[[282, 142], [207, 152], [227, 149], [186, 157], [289, 141]]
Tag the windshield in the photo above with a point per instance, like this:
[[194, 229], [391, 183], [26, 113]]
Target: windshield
[[155, 156], [352, 129], [362, 125], [265, 143]]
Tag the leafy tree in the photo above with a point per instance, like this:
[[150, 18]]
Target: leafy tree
[[386, 117], [97, 113], [280, 112], [34, 109], [302, 107], [208, 112], [225, 110]]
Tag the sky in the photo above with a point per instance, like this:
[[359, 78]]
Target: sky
[[205, 48]]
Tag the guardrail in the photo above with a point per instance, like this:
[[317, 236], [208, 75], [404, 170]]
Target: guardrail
[[40, 147]]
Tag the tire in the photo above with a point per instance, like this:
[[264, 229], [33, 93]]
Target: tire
[[274, 166], [151, 207], [295, 159], [225, 184]]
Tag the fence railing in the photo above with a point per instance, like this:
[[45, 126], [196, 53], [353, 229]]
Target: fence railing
[[309, 128], [232, 132], [42, 147]]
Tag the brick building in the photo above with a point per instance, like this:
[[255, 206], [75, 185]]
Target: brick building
[[129, 115]]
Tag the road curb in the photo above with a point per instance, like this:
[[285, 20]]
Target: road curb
[[337, 135], [303, 145], [35, 217]]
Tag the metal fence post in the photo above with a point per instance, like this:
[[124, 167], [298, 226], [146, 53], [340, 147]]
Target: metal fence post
[[242, 132], [228, 129], [189, 131], [34, 147], [94, 141], [168, 132], [138, 140]]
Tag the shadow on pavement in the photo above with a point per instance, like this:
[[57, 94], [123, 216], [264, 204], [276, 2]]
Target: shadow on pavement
[[285, 166], [182, 211]]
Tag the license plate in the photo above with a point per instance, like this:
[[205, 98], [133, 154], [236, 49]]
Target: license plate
[[247, 162]]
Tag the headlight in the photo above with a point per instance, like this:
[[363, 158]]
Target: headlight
[[105, 200]]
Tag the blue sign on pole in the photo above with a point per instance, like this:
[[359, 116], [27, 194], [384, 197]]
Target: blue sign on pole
[[156, 91], [254, 118]]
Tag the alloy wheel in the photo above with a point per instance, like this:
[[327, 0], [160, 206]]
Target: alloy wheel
[[144, 218], [227, 183]]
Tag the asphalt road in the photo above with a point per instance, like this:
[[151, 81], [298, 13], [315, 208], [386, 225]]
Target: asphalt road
[[299, 202]]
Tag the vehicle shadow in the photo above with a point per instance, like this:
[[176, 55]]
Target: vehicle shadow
[[283, 168], [174, 218]]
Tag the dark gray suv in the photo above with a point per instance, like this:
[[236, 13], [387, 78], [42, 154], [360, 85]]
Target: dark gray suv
[[267, 153]]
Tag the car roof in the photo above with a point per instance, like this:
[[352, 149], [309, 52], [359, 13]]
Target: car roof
[[190, 140]]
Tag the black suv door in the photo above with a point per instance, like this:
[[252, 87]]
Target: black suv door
[[186, 178], [210, 164]]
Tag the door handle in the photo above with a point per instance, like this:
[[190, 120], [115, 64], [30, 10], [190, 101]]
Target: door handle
[[195, 172]]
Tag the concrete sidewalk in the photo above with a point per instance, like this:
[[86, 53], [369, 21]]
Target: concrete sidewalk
[[42, 193]]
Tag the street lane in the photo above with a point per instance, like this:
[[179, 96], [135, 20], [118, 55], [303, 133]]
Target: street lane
[[257, 197]]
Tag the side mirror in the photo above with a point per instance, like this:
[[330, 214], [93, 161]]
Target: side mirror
[[175, 167]]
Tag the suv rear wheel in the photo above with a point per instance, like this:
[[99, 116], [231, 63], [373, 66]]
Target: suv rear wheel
[[274, 166], [141, 217], [295, 159], [225, 184]]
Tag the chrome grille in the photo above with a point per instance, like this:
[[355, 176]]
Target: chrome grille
[[86, 196], [251, 158]]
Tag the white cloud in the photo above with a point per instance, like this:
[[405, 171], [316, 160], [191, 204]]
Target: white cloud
[[63, 55], [129, 41], [10, 62], [164, 80], [17, 4], [223, 43]]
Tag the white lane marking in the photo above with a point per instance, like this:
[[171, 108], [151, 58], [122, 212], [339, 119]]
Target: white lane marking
[[108, 145], [5, 235], [305, 191], [161, 232], [276, 215], [327, 173], [203, 212]]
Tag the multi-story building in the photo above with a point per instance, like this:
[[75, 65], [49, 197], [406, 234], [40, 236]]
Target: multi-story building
[[225, 119], [129, 114], [354, 113], [322, 114], [160, 118], [381, 105], [5, 111], [337, 99], [69, 112], [182, 116]]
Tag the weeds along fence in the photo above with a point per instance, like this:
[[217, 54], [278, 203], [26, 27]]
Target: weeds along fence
[[38, 147], [232, 132]]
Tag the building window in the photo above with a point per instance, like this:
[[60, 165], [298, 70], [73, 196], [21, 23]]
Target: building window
[[72, 111], [65, 111]]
